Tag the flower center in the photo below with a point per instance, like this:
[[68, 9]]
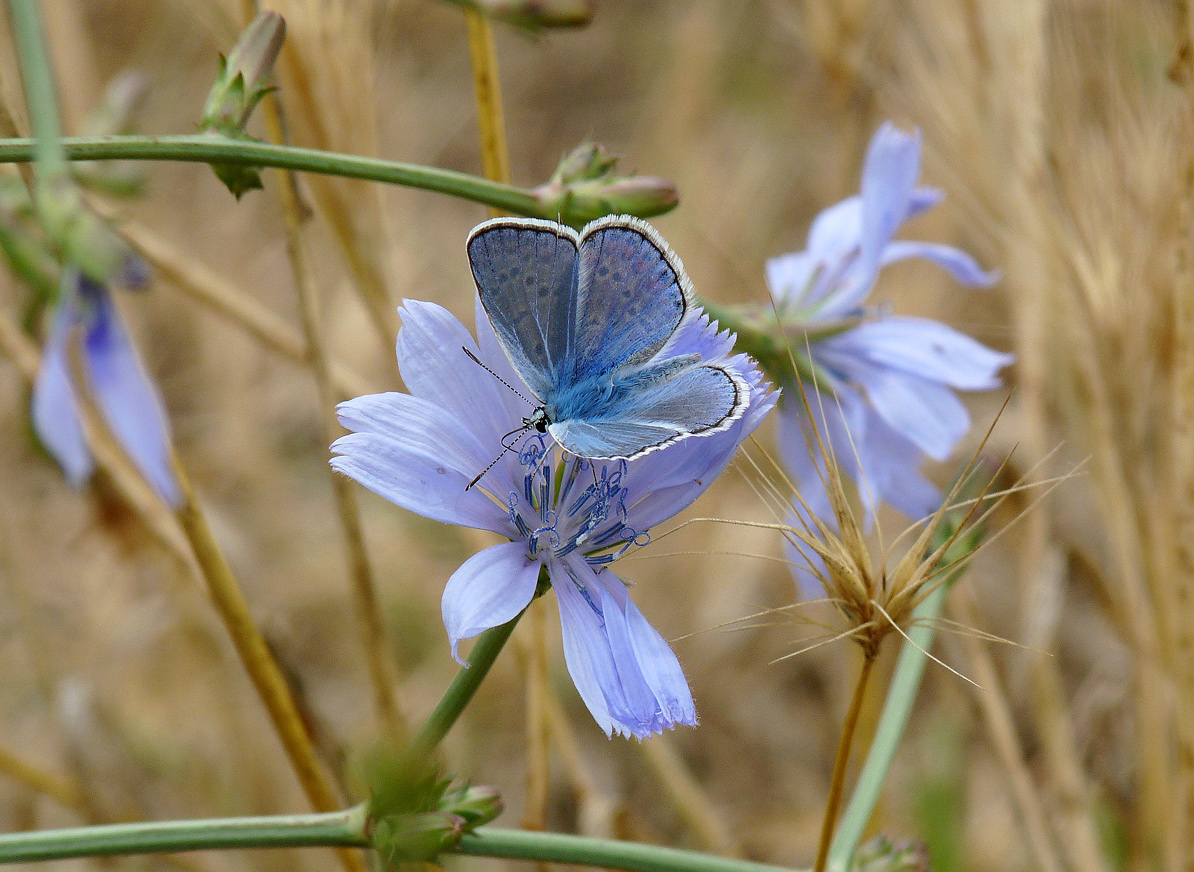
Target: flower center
[[568, 503]]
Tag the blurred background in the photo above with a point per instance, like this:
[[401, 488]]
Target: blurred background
[[1060, 133]]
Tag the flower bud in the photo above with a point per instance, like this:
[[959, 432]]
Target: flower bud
[[242, 83], [244, 76], [589, 160], [475, 805], [584, 187]]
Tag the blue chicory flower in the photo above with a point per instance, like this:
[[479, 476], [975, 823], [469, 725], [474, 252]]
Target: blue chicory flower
[[568, 516], [116, 380], [890, 400]]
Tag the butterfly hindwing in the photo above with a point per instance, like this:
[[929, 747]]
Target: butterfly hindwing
[[526, 274], [631, 296], [654, 405]]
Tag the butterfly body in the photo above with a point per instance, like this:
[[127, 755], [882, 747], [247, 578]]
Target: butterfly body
[[585, 320]]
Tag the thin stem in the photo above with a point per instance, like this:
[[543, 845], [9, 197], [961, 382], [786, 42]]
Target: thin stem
[[38, 80], [345, 829], [607, 853], [462, 688], [378, 660], [58, 787], [254, 653], [208, 148], [843, 757], [349, 829], [901, 696], [495, 156]]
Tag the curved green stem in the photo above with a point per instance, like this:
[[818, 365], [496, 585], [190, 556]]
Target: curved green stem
[[333, 829], [462, 688], [209, 148]]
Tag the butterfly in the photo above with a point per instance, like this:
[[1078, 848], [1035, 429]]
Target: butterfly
[[585, 321]]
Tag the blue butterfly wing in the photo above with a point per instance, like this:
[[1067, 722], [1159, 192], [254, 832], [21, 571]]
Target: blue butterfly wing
[[632, 293], [655, 405], [526, 275]]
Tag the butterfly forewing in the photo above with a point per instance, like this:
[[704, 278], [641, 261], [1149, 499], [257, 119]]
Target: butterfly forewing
[[630, 298], [526, 274]]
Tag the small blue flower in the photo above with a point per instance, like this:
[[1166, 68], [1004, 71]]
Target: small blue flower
[[890, 399], [569, 516], [116, 381]]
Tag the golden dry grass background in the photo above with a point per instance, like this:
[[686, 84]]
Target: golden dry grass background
[[1064, 146]]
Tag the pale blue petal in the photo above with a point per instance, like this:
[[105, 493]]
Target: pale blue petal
[[790, 278], [925, 411], [602, 646], [836, 231], [925, 348], [891, 465], [55, 417], [656, 661], [435, 367], [923, 199], [882, 462], [124, 393], [888, 180], [696, 334], [956, 262], [415, 454], [586, 648], [489, 589]]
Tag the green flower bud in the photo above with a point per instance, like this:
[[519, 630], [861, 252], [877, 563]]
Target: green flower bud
[[241, 84], [244, 76], [585, 187], [475, 805]]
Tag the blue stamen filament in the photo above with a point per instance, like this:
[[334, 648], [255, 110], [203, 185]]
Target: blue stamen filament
[[593, 518]]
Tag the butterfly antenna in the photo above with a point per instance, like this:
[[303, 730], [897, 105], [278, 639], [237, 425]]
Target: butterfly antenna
[[505, 447], [513, 390]]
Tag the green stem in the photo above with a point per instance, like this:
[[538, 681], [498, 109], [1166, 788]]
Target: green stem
[[38, 80], [462, 688], [209, 148], [333, 829], [901, 696], [348, 829], [607, 853]]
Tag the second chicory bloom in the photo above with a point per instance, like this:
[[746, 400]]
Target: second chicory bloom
[[890, 400], [564, 516], [87, 320]]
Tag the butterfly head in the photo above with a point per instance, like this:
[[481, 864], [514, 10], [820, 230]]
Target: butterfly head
[[538, 421]]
